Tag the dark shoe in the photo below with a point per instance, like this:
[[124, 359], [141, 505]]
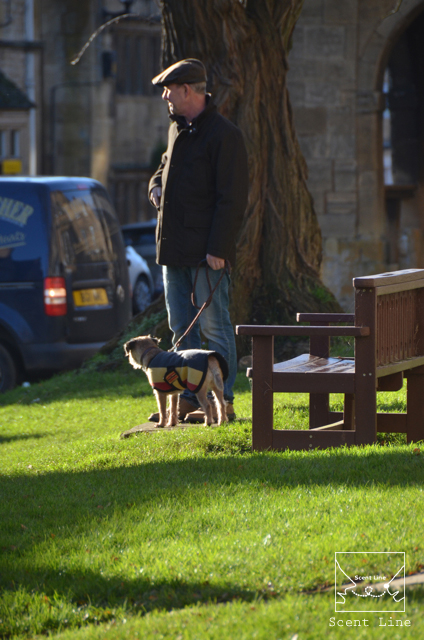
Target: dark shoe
[[230, 413], [199, 415], [154, 417], [184, 407]]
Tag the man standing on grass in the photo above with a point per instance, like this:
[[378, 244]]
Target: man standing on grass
[[200, 191]]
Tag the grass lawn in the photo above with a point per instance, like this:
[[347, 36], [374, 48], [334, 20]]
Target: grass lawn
[[188, 534]]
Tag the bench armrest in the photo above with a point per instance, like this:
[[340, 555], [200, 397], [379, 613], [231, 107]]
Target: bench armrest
[[288, 330], [325, 317]]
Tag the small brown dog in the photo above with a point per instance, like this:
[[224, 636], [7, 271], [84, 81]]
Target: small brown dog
[[170, 373]]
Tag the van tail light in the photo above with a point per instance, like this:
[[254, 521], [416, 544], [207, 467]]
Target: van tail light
[[55, 297]]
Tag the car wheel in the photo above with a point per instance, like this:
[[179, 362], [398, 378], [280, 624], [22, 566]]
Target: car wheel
[[142, 296], [8, 370]]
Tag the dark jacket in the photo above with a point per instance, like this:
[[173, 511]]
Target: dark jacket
[[204, 180]]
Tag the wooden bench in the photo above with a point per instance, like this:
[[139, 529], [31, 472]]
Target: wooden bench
[[388, 329]]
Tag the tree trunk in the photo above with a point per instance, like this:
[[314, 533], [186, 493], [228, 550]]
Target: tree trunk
[[244, 45]]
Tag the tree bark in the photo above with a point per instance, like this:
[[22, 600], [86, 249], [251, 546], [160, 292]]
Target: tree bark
[[244, 45]]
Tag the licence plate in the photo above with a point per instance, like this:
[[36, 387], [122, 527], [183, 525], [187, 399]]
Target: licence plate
[[90, 297]]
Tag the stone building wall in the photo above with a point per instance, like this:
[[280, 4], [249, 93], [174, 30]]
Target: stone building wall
[[12, 62], [16, 62], [337, 64]]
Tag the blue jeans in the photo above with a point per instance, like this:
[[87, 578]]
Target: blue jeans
[[214, 321]]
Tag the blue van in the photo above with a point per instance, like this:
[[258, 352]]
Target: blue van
[[64, 287]]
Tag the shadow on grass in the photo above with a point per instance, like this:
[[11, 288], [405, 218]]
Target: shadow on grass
[[89, 597], [26, 436], [33, 506], [87, 587], [354, 466], [67, 498]]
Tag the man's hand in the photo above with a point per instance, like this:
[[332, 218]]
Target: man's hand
[[155, 196], [214, 262]]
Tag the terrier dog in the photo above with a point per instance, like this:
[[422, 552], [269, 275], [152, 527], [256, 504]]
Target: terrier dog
[[170, 373]]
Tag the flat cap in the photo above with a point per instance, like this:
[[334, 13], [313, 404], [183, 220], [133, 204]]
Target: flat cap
[[189, 71]]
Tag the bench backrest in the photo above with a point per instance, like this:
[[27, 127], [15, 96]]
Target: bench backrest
[[393, 306]]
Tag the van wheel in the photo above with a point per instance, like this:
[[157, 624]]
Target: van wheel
[[8, 370], [142, 296]]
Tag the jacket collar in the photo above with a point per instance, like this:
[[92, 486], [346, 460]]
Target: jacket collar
[[181, 122]]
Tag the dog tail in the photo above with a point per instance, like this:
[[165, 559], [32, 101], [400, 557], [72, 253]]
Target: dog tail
[[217, 378], [222, 363]]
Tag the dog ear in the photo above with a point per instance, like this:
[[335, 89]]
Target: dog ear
[[128, 346], [156, 340]]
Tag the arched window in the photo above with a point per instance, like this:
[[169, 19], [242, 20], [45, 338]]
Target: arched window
[[387, 133], [403, 148], [401, 128]]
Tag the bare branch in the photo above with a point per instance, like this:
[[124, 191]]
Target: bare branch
[[98, 31], [396, 8]]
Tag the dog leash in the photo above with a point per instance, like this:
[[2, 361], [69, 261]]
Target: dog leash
[[226, 269]]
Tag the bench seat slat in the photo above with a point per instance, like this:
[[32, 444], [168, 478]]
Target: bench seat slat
[[307, 364], [313, 364]]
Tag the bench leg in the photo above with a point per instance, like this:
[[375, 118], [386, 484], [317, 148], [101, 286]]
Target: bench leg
[[262, 393], [415, 407], [319, 409], [366, 413], [319, 403], [365, 374], [349, 411]]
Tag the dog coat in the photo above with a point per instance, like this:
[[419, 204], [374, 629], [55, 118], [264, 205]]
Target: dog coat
[[181, 370]]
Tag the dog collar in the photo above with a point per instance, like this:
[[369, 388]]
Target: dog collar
[[144, 353]]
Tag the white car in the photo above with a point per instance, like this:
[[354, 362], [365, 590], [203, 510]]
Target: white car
[[140, 279], [142, 236]]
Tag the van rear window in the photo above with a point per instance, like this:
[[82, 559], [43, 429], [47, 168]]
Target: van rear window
[[85, 226]]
